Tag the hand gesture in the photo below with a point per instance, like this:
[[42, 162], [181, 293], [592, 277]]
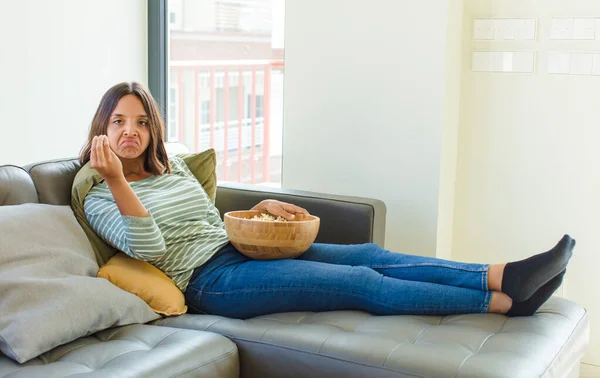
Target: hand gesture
[[278, 208], [104, 160]]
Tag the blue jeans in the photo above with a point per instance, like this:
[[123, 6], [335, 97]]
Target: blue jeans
[[337, 277]]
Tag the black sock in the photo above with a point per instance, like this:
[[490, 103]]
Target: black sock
[[530, 306], [523, 278]]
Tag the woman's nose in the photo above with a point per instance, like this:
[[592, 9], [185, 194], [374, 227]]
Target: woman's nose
[[130, 129]]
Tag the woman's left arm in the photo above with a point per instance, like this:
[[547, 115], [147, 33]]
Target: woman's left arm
[[278, 208]]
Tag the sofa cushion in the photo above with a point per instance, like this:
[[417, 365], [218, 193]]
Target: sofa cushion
[[53, 180], [358, 344], [134, 351], [344, 219], [49, 293], [16, 187]]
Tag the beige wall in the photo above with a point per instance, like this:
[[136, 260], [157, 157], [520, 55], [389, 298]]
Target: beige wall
[[364, 106], [451, 113], [58, 58], [528, 155]]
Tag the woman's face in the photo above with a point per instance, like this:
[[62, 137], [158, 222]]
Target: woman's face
[[128, 129]]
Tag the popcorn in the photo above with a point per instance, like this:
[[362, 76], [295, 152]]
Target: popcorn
[[268, 218]]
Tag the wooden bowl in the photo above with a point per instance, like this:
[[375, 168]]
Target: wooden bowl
[[270, 240]]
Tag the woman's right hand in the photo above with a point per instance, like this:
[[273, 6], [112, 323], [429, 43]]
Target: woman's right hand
[[104, 160]]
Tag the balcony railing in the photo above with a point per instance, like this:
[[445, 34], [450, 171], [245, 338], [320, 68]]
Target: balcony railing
[[233, 143], [217, 125]]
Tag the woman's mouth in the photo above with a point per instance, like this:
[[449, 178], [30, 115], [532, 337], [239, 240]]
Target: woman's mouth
[[129, 143]]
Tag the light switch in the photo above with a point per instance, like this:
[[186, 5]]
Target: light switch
[[500, 26], [596, 68], [497, 61], [518, 28], [505, 29], [582, 64], [524, 61], [559, 62], [508, 62], [584, 28], [483, 29], [501, 61], [481, 61], [561, 29], [510, 29], [529, 29]]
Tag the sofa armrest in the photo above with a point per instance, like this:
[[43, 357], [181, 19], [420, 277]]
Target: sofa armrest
[[344, 219]]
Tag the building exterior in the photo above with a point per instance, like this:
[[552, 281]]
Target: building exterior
[[226, 84]]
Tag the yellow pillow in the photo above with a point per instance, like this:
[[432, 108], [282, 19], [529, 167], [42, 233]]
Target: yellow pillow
[[146, 281]]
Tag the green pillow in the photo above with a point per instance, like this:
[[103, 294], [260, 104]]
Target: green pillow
[[204, 166]]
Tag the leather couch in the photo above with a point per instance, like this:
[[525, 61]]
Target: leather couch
[[329, 344]]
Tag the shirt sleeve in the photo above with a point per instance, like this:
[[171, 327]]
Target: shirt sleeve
[[138, 237]]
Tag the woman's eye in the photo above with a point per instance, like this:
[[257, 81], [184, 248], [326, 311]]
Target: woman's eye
[[143, 123], [117, 121]]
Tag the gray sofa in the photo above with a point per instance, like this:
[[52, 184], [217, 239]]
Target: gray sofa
[[330, 344]]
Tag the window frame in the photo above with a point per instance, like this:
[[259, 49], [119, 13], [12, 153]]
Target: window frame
[[158, 53]]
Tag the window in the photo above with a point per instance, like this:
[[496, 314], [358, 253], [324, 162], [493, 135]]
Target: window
[[225, 64], [259, 106], [172, 123], [205, 112]]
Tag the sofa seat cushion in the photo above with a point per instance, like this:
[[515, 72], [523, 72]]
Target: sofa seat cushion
[[134, 351], [358, 344]]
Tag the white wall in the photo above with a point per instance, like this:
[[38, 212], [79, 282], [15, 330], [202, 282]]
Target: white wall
[[58, 58], [528, 156], [364, 107]]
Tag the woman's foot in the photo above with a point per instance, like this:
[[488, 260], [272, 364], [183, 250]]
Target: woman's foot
[[521, 279], [531, 305], [500, 303]]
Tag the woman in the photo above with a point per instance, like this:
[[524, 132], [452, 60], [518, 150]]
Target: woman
[[154, 209]]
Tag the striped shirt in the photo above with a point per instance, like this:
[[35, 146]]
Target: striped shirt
[[183, 231]]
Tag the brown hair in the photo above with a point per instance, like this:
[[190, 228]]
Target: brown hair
[[157, 161]]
